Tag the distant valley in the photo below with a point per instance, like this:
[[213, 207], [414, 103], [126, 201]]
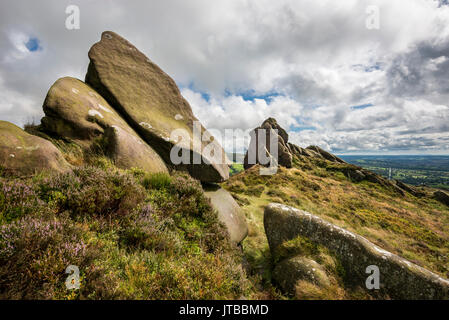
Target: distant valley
[[432, 171]]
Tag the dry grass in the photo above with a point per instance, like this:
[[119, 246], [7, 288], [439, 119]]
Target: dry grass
[[415, 228]]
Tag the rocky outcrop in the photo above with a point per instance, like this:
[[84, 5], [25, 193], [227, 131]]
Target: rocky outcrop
[[229, 212], [153, 106], [410, 189], [286, 150], [76, 111], [326, 155], [269, 129], [357, 174], [298, 151], [22, 154], [441, 196], [399, 278]]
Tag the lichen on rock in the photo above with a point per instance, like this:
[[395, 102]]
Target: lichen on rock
[[73, 110], [22, 154]]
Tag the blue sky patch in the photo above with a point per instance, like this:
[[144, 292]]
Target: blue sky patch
[[205, 96], [369, 68], [192, 87], [33, 44], [362, 106], [251, 96], [372, 68]]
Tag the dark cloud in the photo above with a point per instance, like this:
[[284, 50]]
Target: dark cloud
[[422, 71]]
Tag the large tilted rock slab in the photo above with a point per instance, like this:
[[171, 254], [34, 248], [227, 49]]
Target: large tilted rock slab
[[399, 278], [152, 104], [22, 154], [76, 111], [229, 212]]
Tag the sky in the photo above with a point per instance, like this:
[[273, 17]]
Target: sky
[[328, 77]]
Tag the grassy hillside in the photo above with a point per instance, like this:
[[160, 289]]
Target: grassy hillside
[[414, 228]]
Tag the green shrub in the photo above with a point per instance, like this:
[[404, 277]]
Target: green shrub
[[236, 187], [145, 230], [255, 191], [91, 191], [17, 199], [156, 181], [235, 168]]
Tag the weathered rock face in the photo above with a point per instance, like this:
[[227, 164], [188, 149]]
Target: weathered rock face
[[357, 174], [22, 154], [152, 104], [289, 271], [326, 155], [410, 189], [268, 128], [71, 108], [441, 196], [286, 151], [399, 278], [76, 111], [229, 213]]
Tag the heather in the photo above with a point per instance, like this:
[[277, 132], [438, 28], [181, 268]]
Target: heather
[[133, 235]]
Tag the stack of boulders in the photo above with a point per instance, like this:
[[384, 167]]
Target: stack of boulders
[[134, 108], [271, 130], [261, 146], [136, 112]]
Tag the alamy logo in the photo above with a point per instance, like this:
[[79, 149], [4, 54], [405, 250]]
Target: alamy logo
[[264, 150], [201, 147], [372, 22], [73, 280], [73, 21], [373, 281]]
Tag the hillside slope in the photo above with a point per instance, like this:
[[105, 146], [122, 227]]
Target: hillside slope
[[416, 228]]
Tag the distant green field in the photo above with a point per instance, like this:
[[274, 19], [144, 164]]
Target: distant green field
[[432, 171], [237, 165], [235, 168]]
